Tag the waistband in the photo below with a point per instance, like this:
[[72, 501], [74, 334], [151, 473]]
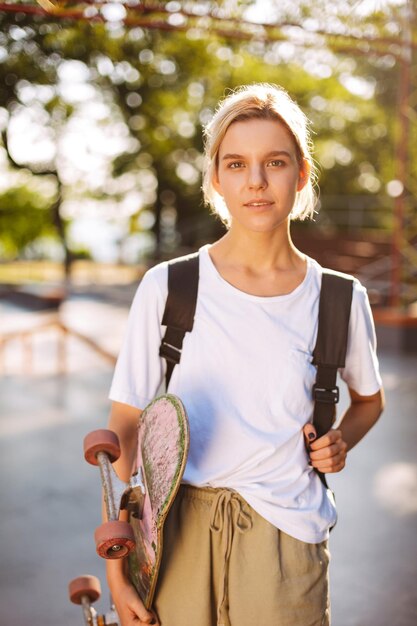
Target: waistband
[[206, 494]]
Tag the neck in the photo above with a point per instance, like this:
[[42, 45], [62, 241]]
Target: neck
[[260, 250]]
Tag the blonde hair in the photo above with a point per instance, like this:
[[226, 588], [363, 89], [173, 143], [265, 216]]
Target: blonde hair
[[259, 101]]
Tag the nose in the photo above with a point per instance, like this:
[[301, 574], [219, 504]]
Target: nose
[[257, 179]]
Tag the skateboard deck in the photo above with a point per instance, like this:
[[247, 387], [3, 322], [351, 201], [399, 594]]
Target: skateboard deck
[[162, 450], [163, 443]]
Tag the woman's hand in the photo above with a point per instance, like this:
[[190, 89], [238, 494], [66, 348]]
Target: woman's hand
[[129, 606], [328, 453], [124, 421]]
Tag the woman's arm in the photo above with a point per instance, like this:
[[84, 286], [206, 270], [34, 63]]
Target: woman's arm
[[124, 421], [328, 453], [362, 414]]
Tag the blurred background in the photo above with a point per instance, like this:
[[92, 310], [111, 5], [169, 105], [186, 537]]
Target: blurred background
[[101, 113]]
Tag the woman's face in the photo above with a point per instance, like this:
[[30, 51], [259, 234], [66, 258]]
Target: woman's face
[[258, 174]]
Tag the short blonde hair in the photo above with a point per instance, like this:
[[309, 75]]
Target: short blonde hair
[[259, 101]]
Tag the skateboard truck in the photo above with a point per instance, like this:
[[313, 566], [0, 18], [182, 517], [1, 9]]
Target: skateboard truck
[[115, 538], [85, 590]]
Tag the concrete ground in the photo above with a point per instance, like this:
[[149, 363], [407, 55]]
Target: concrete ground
[[51, 497]]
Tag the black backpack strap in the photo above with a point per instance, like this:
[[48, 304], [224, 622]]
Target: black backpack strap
[[330, 351], [183, 275]]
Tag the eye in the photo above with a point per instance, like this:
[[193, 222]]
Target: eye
[[234, 165], [276, 163]]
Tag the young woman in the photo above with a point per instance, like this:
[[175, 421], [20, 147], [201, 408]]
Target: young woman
[[246, 539]]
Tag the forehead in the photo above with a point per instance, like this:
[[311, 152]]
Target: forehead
[[257, 135]]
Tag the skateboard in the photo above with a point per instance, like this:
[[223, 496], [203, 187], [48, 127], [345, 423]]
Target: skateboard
[[163, 443], [85, 590]]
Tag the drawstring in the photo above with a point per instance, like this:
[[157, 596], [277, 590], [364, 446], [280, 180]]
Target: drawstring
[[227, 514]]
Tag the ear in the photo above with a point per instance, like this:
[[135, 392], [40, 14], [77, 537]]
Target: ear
[[304, 175], [216, 183]]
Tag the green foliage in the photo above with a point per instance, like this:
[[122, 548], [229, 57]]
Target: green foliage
[[23, 219], [161, 87]]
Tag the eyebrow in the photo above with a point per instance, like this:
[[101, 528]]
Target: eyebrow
[[229, 155]]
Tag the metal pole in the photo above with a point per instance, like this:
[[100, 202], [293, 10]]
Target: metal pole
[[402, 152]]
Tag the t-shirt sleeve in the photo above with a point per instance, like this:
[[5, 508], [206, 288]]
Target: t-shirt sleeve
[[361, 371], [139, 373]]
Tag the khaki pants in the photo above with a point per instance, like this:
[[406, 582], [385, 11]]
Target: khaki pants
[[225, 565]]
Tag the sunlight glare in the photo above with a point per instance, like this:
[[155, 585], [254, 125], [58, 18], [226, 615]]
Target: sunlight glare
[[395, 488]]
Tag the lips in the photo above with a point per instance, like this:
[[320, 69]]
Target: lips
[[258, 203]]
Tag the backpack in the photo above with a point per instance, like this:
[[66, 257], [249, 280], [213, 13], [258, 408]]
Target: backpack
[[329, 353]]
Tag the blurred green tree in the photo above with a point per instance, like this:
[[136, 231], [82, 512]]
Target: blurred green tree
[[23, 219], [149, 91]]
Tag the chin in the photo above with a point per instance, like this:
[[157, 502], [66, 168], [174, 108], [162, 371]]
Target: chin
[[263, 225]]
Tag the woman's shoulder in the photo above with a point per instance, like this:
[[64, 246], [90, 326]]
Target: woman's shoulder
[[319, 270], [360, 306], [156, 273], [153, 285], [359, 291], [156, 277]]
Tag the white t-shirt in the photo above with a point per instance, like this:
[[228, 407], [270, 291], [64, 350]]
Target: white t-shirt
[[246, 380]]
